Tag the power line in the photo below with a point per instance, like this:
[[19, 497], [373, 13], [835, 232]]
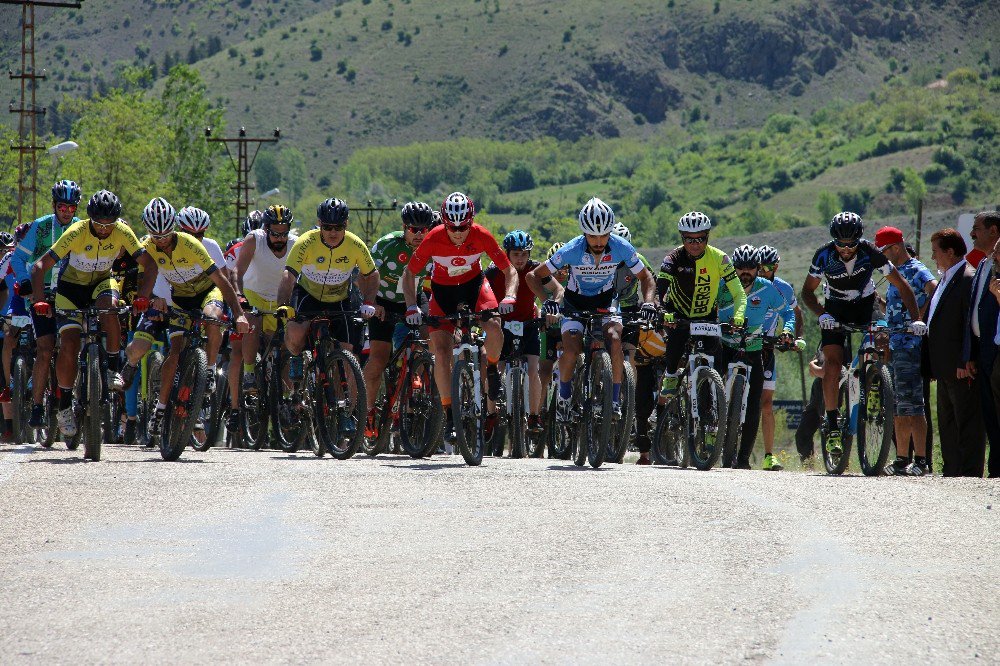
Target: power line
[[243, 163]]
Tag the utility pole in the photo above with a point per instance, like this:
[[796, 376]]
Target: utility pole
[[919, 225], [243, 163], [27, 137], [371, 224]]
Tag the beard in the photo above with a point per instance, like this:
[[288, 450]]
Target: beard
[[276, 247], [746, 280]]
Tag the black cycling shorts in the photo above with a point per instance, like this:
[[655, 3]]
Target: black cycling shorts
[[858, 313], [530, 343], [341, 328], [382, 331]]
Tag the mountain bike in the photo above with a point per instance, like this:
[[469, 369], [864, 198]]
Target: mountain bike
[[187, 396], [214, 414], [91, 390], [21, 364], [625, 432], [737, 393], [289, 409], [514, 420], [691, 426], [592, 421], [149, 394], [559, 447], [866, 403], [408, 402]]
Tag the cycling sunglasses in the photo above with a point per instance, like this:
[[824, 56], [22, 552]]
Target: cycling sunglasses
[[745, 266], [104, 225], [845, 244], [66, 206], [695, 240], [418, 230], [275, 234], [768, 267], [459, 229], [332, 227]]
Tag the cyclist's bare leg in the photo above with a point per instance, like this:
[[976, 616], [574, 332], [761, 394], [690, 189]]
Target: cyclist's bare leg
[[250, 341], [834, 355], [767, 419], [235, 370], [295, 337], [534, 385], [11, 335], [68, 358], [613, 343], [378, 358], [494, 338], [545, 367], [572, 345], [136, 350], [442, 344], [169, 367], [110, 324], [44, 347], [213, 333]]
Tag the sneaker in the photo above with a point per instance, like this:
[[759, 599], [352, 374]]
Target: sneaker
[[918, 468], [564, 410], [771, 463], [742, 464], [5, 394], [233, 420], [67, 421], [371, 428], [128, 376], [156, 422], [249, 382], [128, 436], [643, 461], [835, 442], [116, 382], [897, 467], [616, 410], [37, 419], [449, 435]]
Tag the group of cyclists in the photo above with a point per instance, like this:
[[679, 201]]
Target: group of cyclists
[[411, 285]]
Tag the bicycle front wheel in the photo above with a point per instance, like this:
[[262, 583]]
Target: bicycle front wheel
[[186, 402], [518, 427], [419, 409], [93, 418], [468, 422], [345, 402], [837, 463], [875, 419], [707, 434], [625, 429], [20, 374], [734, 428], [598, 415]]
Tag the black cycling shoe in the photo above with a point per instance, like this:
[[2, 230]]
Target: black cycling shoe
[[37, 419], [128, 375], [128, 437]]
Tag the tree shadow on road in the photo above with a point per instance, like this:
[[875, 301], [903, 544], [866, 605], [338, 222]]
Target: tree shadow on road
[[574, 468], [427, 466]]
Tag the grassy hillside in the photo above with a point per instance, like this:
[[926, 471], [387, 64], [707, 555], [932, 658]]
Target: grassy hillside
[[339, 75]]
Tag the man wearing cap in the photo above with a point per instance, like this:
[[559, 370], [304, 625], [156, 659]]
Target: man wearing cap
[[909, 421]]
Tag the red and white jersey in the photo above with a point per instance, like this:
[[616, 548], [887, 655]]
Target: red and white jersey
[[232, 254], [456, 264]]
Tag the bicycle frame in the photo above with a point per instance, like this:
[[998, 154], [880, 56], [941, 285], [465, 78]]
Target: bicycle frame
[[698, 358], [856, 395]]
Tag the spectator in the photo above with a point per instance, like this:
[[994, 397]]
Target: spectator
[[993, 471], [981, 349], [904, 363], [812, 413], [959, 413]]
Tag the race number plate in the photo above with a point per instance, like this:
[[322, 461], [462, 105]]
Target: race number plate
[[706, 329], [515, 327]]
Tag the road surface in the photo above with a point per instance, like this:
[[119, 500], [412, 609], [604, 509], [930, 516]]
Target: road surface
[[237, 556]]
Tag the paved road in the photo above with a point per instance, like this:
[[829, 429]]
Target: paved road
[[239, 556]]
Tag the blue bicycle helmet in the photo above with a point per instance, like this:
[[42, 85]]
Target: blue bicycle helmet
[[518, 240], [67, 192]]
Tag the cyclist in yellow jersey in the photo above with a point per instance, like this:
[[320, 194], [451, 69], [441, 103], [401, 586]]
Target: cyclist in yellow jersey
[[195, 284], [88, 248], [317, 277], [688, 284]]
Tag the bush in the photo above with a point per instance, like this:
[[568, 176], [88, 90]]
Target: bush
[[950, 159], [520, 177], [934, 174], [855, 201]]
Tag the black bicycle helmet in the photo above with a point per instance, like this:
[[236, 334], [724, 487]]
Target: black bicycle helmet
[[278, 214], [104, 205], [333, 211], [254, 221], [846, 225], [417, 214]]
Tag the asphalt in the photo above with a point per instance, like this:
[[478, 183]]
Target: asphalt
[[232, 556]]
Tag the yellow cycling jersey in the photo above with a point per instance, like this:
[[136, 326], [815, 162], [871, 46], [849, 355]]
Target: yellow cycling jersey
[[89, 258], [187, 267], [324, 271], [691, 285]]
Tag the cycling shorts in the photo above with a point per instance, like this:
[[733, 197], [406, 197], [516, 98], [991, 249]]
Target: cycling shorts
[[857, 313], [268, 322], [585, 304], [383, 330], [341, 328], [770, 368], [445, 299], [153, 323], [550, 339], [72, 296], [530, 344]]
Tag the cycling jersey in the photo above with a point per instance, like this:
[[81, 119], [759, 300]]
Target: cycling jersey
[[214, 251], [456, 264], [627, 285], [186, 268], [42, 235], [264, 272], [524, 305], [589, 276], [231, 255], [691, 286], [391, 254], [89, 258], [325, 272], [763, 298], [849, 281], [788, 293]]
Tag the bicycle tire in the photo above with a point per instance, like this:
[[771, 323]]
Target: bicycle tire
[[316, 443], [734, 428], [186, 399], [623, 433], [877, 378], [497, 441], [560, 448], [598, 414], [518, 425], [373, 446], [574, 430], [704, 453], [286, 415], [93, 417], [20, 374], [468, 421], [253, 413], [216, 430], [339, 366], [836, 465], [421, 415]]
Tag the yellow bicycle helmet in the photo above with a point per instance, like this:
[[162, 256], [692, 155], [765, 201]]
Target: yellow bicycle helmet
[[552, 250]]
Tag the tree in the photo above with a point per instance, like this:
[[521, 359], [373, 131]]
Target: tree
[[827, 206], [520, 176], [266, 171], [914, 188], [293, 173]]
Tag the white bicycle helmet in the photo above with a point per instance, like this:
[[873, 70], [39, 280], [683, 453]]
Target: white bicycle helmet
[[746, 255], [621, 230], [596, 218], [193, 220], [457, 209], [693, 222], [159, 217]]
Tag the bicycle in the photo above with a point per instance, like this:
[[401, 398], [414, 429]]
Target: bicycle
[[92, 389], [187, 396], [692, 425], [513, 421], [592, 423], [408, 401], [868, 383], [737, 394], [625, 433], [289, 428], [149, 393]]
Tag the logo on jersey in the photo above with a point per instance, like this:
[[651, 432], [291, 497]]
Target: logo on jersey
[[755, 301], [458, 261], [320, 260], [402, 257], [343, 260], [162, 261], [702, 292], [88, 248], [703, 271]]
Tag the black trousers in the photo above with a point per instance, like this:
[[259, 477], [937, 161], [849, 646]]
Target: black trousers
[[960, 422], [646, 388]]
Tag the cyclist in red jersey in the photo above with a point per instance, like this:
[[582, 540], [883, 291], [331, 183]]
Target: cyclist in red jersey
[[455, 249]]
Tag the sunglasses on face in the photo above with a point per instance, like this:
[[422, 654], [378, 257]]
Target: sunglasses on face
[[695, 240], [157, 237], [65, 206], [275, 234], [745, 267], [460, 229], [332, 227], [105, 225], [417, 230], [848, 244]]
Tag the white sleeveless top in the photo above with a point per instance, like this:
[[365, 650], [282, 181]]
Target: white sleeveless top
[[265, 270]]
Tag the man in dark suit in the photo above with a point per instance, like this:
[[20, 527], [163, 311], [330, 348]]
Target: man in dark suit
[[982, 346], [959, 411]]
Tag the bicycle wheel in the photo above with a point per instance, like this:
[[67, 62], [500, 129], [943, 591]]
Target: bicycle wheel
[[20, 398], [253, 413], [186, 400], [707, 437], [93, 417], [47, 436], [215, 428], [518, 426], [345, 399], [624, 429], [286, 410], [734, 429], [598, 416], [669, 446], [837, 464], [875, 419], [420, 413], [372, 446], [468, 421]]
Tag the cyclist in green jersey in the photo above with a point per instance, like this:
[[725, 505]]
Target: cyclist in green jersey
[[391, 254]]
